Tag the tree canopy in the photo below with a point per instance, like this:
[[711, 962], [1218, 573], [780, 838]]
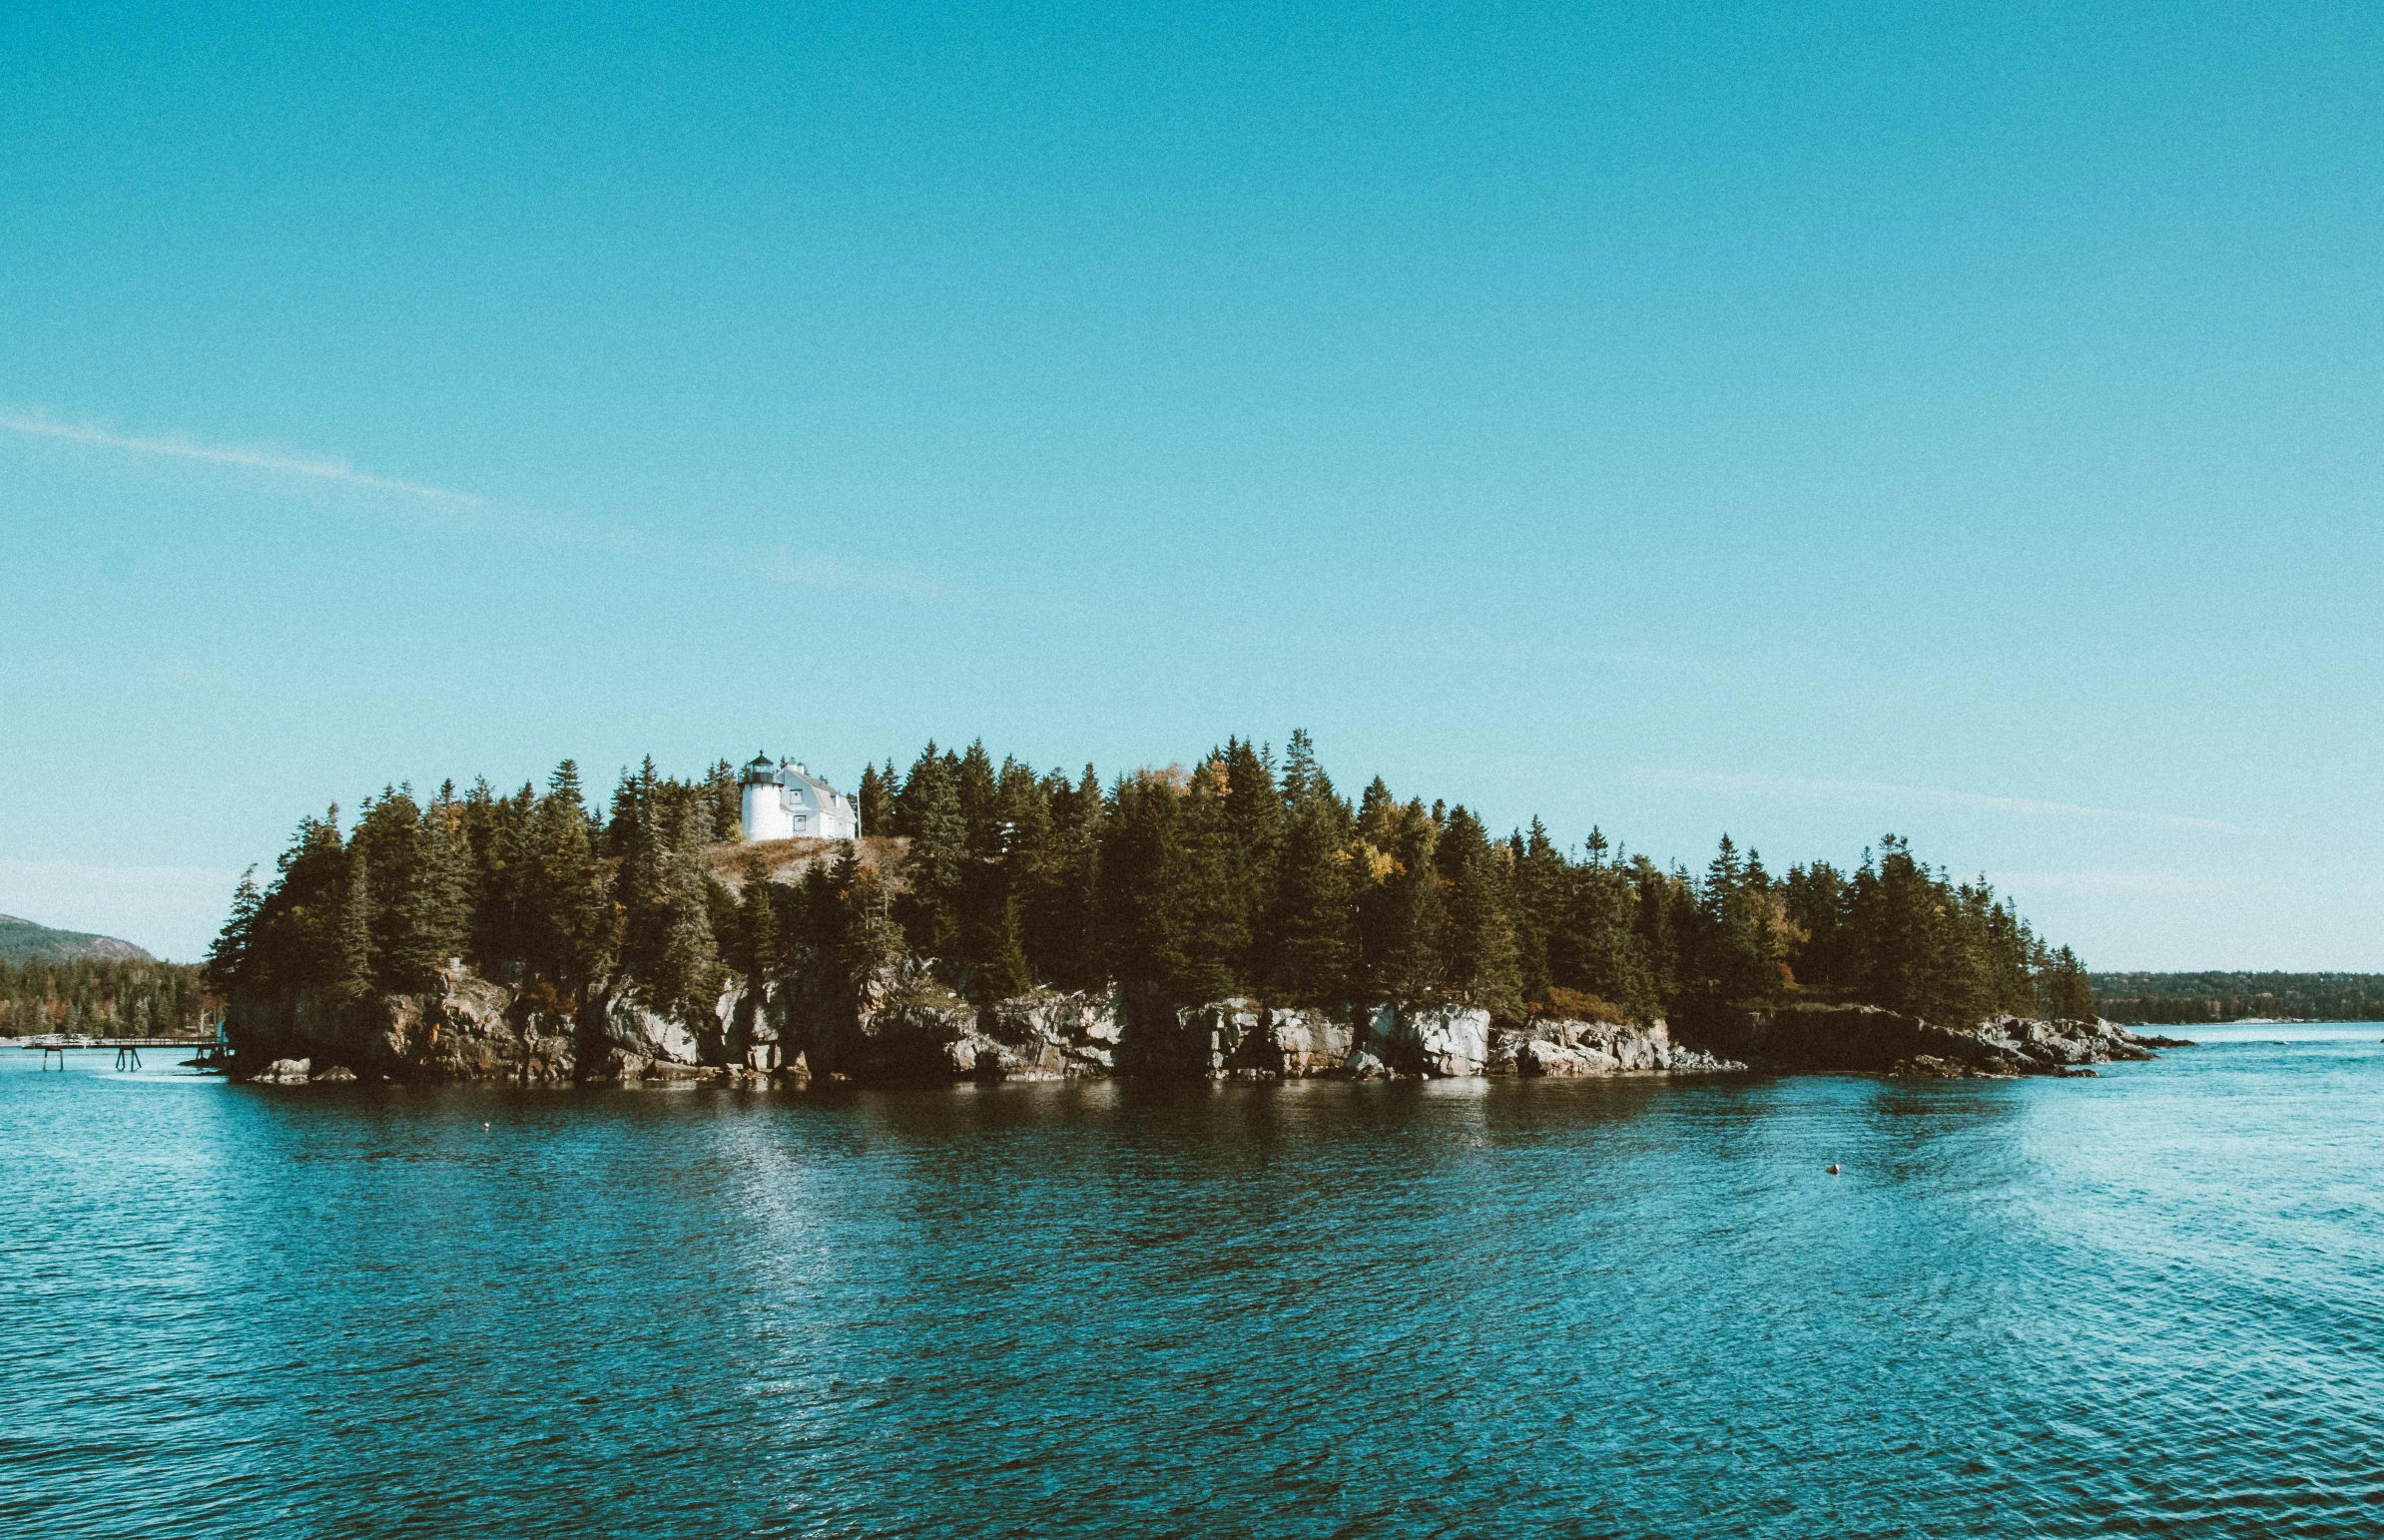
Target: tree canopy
[[1243, 874]]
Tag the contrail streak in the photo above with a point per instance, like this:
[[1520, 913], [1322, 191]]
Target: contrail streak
[[1794, 786], [251, 459]]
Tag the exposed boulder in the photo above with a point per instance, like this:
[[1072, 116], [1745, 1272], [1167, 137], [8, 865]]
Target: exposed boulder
[[1048, 1034], [462, 1028], [1554, 1047], [912, 1026], [754, 1032], [1866, 1039], [1295, 1043], [623, 1018], [1444, 1042], [284, 1072], [1165, 1041], [471, 1029]]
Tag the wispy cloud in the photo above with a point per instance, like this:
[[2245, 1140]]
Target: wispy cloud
[[1795, 785], [2108, 883], [833, 572], [249, 459]]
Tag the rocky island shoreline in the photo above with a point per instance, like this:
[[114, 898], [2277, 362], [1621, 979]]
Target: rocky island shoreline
[[907, 1026], [975, 921]]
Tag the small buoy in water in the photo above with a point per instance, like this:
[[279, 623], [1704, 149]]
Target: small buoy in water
[[1832, 1171], [485, 1126]]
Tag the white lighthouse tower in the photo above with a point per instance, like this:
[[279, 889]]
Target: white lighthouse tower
[[783, 800]]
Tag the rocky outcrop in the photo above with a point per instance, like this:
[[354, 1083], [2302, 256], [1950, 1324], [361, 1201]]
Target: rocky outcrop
[[909, 1026], [1566, 1048], [1439, 1042], [471, 1029], [905, 1023], [1294, 1043], [1866, 1039], [463, 1028], [623, 1019], [1050, 1035]]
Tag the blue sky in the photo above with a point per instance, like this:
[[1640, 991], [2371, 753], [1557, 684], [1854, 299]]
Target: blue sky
[[1805, 422]]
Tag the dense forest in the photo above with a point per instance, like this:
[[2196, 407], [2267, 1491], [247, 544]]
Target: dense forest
[[2175, 998], [99, 998], [1244, 874]]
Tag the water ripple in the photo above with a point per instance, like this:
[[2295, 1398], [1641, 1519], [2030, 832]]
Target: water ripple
[[2138, 1305]]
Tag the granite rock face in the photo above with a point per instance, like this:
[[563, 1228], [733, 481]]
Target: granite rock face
[[1050, 1035], [471, 1029], [909, 1026], [625, 1020], [1440, 1042], [1295, 1043], [462, 1028], [1564, 1048], [1865, 1039]]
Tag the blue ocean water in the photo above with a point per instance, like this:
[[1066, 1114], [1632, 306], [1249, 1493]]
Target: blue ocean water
[[2148, 1304]]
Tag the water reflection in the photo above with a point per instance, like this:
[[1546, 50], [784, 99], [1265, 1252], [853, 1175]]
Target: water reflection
[[1624, 1307]]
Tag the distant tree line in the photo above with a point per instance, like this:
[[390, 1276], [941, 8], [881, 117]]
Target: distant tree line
[[1242, 874], [2179, 998], [96, 999]]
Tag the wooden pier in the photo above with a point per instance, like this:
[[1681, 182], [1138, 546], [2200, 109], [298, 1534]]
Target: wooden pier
[[128, 1049]]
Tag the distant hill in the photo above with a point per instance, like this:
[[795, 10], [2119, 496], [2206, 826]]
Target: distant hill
[[21, 940], [2179, 998]]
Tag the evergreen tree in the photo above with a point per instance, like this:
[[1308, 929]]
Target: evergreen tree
[[1597, 946], [230, 953], [1141, 868], [874, 802], [2069, 994], [569, 921], [1213, 899], [351, 980], [1478, 944], [1065, 937], [1251, 851], [1400, 911], [928, 812], [1542, 881], [669, 943], [761, 950], [432, 919], [724, 800]]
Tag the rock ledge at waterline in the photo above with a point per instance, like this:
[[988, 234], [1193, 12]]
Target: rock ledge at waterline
[[908, 1026]]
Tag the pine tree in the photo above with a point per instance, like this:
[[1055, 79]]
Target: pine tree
[[759, 952], [230, 953], [1478, 944], [432, 919], [352, 962], [1064, 936], [1309, 934], [668, 940], [1211, 896], [568, 929], [928, 812], [1141, 868], [875, 800], [1400, 913], [2069, 994], [1541, 878], [1254, 815]]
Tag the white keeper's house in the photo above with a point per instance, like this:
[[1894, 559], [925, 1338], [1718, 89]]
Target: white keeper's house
[[783, 800]]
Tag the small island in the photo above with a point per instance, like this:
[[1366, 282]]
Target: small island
[[968, 919]]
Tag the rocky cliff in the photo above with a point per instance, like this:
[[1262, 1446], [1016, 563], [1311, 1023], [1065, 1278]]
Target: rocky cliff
[[904, 1023], [1866, 1039]]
